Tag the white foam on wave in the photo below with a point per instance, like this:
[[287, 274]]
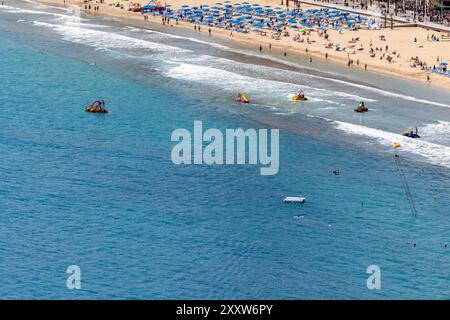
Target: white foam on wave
[[385, 92], [42, 5], [433, 153], [234, 81], [163, 35], [105, 40], [74, 16], [437, 131], [289, 75]]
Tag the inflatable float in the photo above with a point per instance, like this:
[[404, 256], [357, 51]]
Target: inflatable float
[[97, 106], [242, 98], [294, 199]]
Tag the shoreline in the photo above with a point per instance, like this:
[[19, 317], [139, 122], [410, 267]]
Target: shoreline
[[270, 47]]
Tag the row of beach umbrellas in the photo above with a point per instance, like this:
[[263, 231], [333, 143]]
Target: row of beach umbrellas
[[255, 16]]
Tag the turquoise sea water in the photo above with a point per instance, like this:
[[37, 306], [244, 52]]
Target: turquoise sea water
[[101, 192]]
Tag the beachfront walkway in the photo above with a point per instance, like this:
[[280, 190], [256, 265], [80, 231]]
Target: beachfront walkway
[[376, 11]]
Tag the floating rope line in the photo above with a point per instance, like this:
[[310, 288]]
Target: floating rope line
[[405, 184]]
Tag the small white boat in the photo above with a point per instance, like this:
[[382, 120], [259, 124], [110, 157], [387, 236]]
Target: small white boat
[[294, 199]]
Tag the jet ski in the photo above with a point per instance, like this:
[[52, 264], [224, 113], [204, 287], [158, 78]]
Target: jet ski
[[411, 132], [361, 107], [97, 106], [242, 98]]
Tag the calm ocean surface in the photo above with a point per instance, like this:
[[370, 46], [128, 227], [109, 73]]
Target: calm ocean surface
[[101, 192]]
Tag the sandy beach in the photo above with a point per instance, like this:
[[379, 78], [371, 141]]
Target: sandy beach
[[388, 51]]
